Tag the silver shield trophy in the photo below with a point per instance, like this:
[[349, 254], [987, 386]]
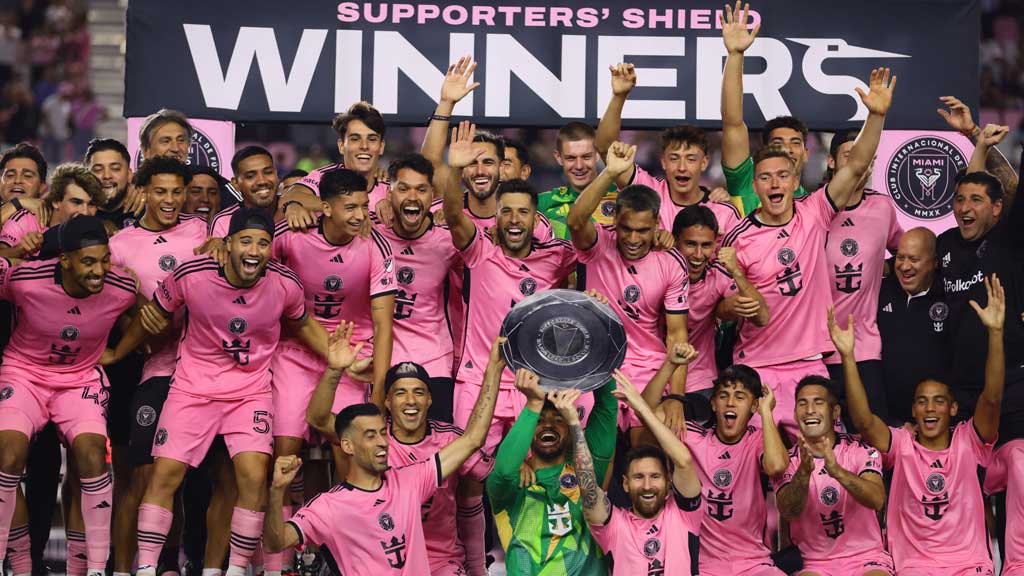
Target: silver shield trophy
[[569, 339]]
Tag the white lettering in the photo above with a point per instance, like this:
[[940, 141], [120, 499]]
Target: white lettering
[[614, 49], [506, 56], [348, 68], [765, 87], [392, 52]]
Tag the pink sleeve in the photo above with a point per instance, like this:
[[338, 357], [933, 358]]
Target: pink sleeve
[[12, 232], [678, 286], [606, 534], [294, 299], [982, 450], [476, 251], [997, 474], [542, 231], [895, 230], [312, 181], [169, 294], [644, 178], [868, 460], [382, 266], [219, 226], [725, 286], [311, 521], [477, 467], [822, 205], [602, 243], [786, 477], [898, 439], [279, 248], [422, 477]]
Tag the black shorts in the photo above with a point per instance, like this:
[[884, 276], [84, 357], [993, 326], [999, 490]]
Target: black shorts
[[145, 413], [124, 380]]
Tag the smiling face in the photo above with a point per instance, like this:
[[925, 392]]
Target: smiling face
[[792, 141], [733, 405], [367, 442], [345, 214], [933, 409], [816, 411], [170, 139], [203, 196], [112, 170], [697, 245], [683, 164], [515, 220], [975, 211], [646, 482], [257, 181], [87, 268], [481, 177], [512, 167], [20, 179], [165, 197], [249, 252], [775, 182], [361, 147], [551, 436], [410, 195], [76, 202], [634, 232], [578, 160], [915, 261], [408, 400]]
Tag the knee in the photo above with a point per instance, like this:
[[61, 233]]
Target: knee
[[13, 453], [90, 456], [251, 475]]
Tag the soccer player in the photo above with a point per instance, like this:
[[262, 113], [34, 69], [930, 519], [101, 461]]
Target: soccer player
[[1006, 473], [832, 491], [516, 164], [781, 248], [647, 287], [204, 192], [22, 173], [256, 178], [855, 251], [935, 519], [717, 290], [73, 191], [66, 308], [683, 158], [110, 161], [221, 383], [151, 248], [382, 506]]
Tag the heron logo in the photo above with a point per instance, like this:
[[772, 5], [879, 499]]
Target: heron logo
[[920, 177]]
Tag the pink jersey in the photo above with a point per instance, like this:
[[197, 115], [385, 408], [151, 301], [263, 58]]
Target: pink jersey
[[652, 546], [640, 292], [311, 182], [856, 253], [55, 335], [152, 255], [340, 280], [936, 514], [833, 525], [220, 222], [422, 333], [374, 532], [726, 214], [1007, 473], [231, 333], [439, 512], [732, 532], [495, 283], [702, 325], [787, 264], [541, 231], [20, 224]]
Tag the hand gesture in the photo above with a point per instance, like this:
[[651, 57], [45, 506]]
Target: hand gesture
[[496, 361], [832, 466], [842, 339], [682, 353], [880, 87], [215, 248], [565, 403], [625, 391], [340, 354], [663, 240], [461, 152], [135, 201], [720, 195], [734, 29], [746, 307], [766, 403], [623, 78], [385, 213], [993, 134], [958, 116], [361, 370], [285, 470], [152, 319], [456, 81], [529, 384], [30, 243], [527, 476], [727, 258], [597, 296], [620, 158], [299, 217], [993, 315], [806, 458]]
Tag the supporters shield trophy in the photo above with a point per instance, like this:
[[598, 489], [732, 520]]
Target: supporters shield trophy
[[567, 338]]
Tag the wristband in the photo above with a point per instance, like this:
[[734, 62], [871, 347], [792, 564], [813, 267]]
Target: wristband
[[440, 118], [17, 204], [971, 134], [289, 203], [677, 397]]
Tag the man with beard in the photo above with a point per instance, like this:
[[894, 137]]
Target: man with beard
[[49, 372], [73, 192], [110, 161], [256, 179], [542, 526], [221, 382], [683, 158], [204, 192], [516, 164], [935, 519], [577, 156], [648, 288], [22, 174], [718, 290], [832, 491], [386, 509]]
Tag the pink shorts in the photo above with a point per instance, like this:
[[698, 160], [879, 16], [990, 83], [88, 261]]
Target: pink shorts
[[783, 379], [189, 424], [27, 403], [980, 570], [296, 374], [448, 567], [851, 566], [739, 568]]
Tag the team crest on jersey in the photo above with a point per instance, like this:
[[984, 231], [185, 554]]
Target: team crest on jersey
[[237, 325], [631, 294], [161, 437], [829, 496], [938, 312], [722, 478], [527, 286], [568, 481], [786, 256], [385, 521], [405, 275], [607, 209], [849, 247], [332, 283], [69, 333], [167, 262], [935, 483], [6, 393], [651, 547], [145, 416]]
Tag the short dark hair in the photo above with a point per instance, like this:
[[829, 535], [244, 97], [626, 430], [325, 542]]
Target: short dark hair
[[73, 173], [694, 215], [993, 187], [197, 169], [339, 182], [768, 152], [517, 186], [154, 121], [522, 152], [104, 144], [295, 173], [683, 135], [162, 165], [415, 162], [574, 132], [642, 451], [249, 152], [638, 198], [816, 380], [492, 139], [740, 374], [362, 111], [938, 379], [25, 150], [791, 122], [343, 420]]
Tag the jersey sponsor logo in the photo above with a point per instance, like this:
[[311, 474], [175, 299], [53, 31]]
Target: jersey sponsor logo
[[63, 354], [559, 519], [920, 176], [849, 247], [848, 278], [631, 294], [337, 259], [408, 251], [389, 264], [6, 392], [961, 285], [833, 524], [327, 306], [239, 300], [386, 521], [405, 275], [404, 303], [69, 333], [527, 286], [74, 311], [237, 325], [332, 283], [145, 416], [829, 496], [935, 507], [651, 547], [161, 437], [720, 505], [238, 350], [848, 222], [790, 281], [395, 551]]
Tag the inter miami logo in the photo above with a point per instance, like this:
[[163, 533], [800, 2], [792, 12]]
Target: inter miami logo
[[631, 294], [935, 483], [386, 521], [720, 504], [722, 478], [167, 262], [833, 524], [938, 312], [527, 286], [6, 393], [829, 496], [237, 325], [607, 209], [786, 256], [849, 247], [651, 547], [568, 481], [145, 416], [935, 507], [920, 176], [848, 277], [405, 275], [790, 280], [161, 437], [332, 283], [69, 333], [201, 152]]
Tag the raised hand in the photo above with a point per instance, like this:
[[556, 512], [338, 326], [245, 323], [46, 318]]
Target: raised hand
[[958, 116], [663, 240], [766, 404], [620, 158], [529, 384], [456, 81], [682, 353], [842, 339], [993, 134], [565, 403], [496, 360], [994, 315], [806, 459], [734, 29], [461, 152], [727, 258], [625, 391], [285, 470], [340, 354], [879, 97], [623, 78]]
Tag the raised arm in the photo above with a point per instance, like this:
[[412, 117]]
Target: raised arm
[[382, 311], [872, 428], [582, 229], [877, 100], [793, 496], [455, 87], [341, 355], [449, 178], [986, 413], [596, 506], [623, 81], [867, 488], [453, 455], [676, 333], [735, 136], [503, 482], [775, 459], [676, 356], [747, 303], [277, 535], [959, 118]]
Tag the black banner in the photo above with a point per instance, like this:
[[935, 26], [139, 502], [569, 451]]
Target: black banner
[[268, 60]]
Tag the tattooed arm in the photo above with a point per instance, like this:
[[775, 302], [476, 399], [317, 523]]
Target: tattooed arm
[[596, 506]]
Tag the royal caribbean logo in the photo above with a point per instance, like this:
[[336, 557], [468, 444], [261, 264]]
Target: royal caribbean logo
[[920, 177]]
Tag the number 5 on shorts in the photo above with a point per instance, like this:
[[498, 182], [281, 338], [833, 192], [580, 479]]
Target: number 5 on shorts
[[260, 424]]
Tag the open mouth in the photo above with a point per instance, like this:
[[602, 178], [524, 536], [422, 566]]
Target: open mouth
[[579, 174], [364, 157], [381, 454], [633, 250], [515, 233], [250, 265], [482, 182], [411, 412], [549, 438], [931, 422], [683, 180], [17, 191], [730, 417], [412, 211], [203, 209], [649, 497], [169, 210], [775, 199], [812, 421], [93, 282]]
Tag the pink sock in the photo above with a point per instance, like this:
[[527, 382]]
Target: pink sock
[[471, 531], [8, 493], [77, 553], [20, 547], [246, 529], [154, 524], [97, 499], [274, 561]]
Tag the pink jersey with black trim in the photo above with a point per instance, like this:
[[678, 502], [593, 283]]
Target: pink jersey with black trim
[[726, 214], [833, 525], [20, 224], [541, 230], [439, 512], [652, 546], [496, 283], [641, 292], [152, 255], [374, 532], [702, 325], [1007, 473], [788, 265], [231, 333], [311, 182], [856, 253], [936, 513], [58, 336], [733, 529]]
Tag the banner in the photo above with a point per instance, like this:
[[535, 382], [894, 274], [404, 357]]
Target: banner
[[213, 144], [266, 61]]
